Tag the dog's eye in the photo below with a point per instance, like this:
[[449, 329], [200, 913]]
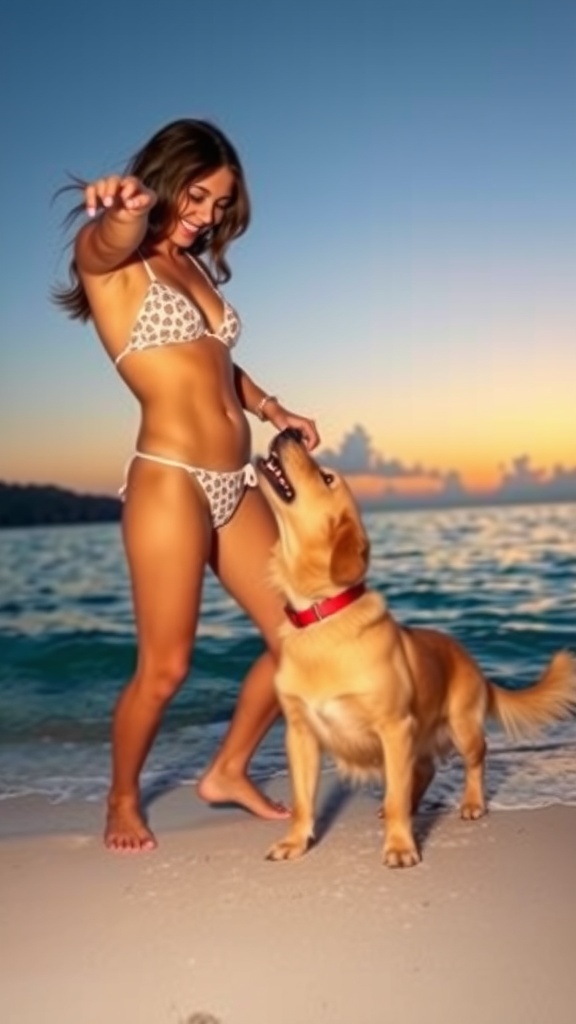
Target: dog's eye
[[328, 478]]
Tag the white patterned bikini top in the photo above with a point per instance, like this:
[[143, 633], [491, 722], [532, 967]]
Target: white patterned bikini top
[[167, 317]]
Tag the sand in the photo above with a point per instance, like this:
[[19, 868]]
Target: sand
[[206, 931]]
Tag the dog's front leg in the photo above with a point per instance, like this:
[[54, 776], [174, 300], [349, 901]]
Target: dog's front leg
[[303, 752], [397, 740]]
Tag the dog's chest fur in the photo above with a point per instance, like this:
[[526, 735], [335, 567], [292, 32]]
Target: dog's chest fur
[[331, 687], [342, 727]]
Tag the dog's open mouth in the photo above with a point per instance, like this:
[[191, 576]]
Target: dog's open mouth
[[275, 475], [272, 468]]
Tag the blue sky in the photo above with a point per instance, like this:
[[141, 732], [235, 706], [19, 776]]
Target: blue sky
[[408, 278]]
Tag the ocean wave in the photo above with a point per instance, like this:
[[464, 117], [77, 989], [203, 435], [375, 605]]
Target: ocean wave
[[517, 776]]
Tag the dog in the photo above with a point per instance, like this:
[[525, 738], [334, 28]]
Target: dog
[[385, 700]]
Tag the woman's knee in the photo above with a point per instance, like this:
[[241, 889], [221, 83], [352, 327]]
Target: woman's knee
[[160, 678]]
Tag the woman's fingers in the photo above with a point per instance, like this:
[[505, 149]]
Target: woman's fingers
[[307, 427], [128, 193], [311, 434]]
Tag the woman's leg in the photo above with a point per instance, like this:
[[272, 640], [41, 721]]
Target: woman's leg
[[167, 535], [240, 559]]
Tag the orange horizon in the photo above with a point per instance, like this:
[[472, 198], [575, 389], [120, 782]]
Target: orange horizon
[[480, 479]]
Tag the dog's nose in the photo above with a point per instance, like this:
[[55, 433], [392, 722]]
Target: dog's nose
[[292, 434]]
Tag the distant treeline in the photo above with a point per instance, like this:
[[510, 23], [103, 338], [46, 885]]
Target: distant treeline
[[37, 505]]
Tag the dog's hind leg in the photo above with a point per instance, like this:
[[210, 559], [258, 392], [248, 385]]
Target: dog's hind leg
[[468, 738]]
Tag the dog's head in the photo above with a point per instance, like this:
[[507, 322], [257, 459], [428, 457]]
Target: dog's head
[[323, 545]]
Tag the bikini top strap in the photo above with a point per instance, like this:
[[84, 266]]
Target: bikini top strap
[[202, 269], [149, 270]]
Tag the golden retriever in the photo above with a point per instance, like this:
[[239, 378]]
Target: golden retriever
[[382, 698]]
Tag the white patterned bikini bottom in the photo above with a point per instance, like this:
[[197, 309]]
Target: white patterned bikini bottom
[[223, 489]]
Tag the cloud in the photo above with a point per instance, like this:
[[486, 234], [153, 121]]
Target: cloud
[[521, 474], [520, 482], [452, 485], [357, 457]]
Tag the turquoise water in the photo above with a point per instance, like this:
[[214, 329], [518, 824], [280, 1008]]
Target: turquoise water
[[502, 580]]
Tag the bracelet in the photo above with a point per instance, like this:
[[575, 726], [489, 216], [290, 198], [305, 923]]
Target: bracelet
[[259, 410]]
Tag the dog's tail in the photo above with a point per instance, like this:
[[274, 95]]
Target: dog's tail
[[552, 697]]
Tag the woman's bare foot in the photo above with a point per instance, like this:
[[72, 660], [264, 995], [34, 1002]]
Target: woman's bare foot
[[217, 788], [126, 831]]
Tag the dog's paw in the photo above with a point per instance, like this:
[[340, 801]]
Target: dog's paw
[[472, 811], [396, 856], [289, 848]]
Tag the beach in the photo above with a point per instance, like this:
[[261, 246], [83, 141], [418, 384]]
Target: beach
[[206, 930]]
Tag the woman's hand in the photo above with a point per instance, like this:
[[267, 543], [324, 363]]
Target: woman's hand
[[118, 193], [282, 418], [106, 242]]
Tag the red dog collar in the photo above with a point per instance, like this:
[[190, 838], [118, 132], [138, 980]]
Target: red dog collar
[[323, 609]]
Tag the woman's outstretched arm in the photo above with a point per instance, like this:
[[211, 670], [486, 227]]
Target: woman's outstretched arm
[[118, 209]]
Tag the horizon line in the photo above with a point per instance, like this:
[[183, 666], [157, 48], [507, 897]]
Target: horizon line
[[389, 502]]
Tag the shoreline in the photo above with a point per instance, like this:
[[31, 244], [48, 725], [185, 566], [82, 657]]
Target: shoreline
[[481, 931]]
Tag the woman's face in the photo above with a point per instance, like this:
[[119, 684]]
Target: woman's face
[[202, 205]]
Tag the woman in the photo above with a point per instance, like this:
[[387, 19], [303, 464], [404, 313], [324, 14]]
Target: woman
[[190, 491]]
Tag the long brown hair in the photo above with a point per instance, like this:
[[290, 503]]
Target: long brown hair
[[180, 153]]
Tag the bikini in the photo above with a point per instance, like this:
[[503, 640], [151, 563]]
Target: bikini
[[169, 318]]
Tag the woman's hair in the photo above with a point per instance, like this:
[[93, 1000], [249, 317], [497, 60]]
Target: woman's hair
[[177, 155]]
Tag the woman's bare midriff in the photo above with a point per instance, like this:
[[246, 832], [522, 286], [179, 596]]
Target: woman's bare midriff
[[190, 408]]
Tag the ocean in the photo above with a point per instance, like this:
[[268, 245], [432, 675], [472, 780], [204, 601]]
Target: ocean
[[502, 580]]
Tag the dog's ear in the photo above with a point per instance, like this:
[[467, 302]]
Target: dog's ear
[[350, 552]]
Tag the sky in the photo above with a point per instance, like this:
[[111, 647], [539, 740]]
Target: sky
[[408, 278]]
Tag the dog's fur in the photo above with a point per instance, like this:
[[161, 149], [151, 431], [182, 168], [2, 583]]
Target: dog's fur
[[373, 693]]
